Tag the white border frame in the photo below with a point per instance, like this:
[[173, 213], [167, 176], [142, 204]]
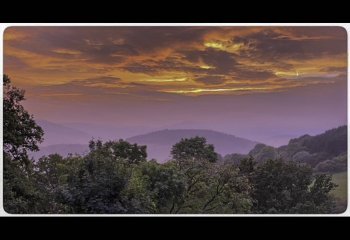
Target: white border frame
[[3, 27]]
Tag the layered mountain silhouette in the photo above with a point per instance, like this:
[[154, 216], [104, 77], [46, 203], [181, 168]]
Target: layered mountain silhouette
[[159, 143], [325, 152], [59, 134]]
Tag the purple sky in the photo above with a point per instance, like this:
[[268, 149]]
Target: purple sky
[[263, 83]]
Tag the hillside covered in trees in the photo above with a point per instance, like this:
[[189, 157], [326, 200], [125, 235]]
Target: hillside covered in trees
[[326, 152], [116, 177]]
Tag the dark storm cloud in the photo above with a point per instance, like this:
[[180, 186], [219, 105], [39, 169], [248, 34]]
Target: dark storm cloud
[[317, 32], [211, 80], [43, 40], [156, 66], [105, 44], [175, 64], [223, 62], [108, 52], [90, 81], [176, 59], [270, 44], [251, 74], [220, 62], [94, 45], [111, 44], [148, 39], [140, 68]]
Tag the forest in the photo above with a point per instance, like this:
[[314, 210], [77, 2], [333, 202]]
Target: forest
[[116, 177]]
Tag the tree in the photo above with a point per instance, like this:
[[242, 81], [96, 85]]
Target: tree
[[21, 195], [195, 148], [101, 183], [131, 153], [192, 157], [234, 158], [21, 133], [209, 187], [156, 188], [288, 187], [225, 191], [247, 165], [261, 152], [319, 192], [51, 179], [336, 164], [115, 176]]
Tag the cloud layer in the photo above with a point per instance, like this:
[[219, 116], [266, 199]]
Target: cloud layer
[[187, 61]]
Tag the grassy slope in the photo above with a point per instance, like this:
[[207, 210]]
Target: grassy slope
[[340, 192]]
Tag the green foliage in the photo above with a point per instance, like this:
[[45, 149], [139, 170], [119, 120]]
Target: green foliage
[[98, 184], [321, 187], [131, 153], [333, 142], [334, 165], [20, 192], [21, 133], [195, 148], [157, 187], [209, 187], [102, 182], [234, 158], [247, 166], [226, 191], [319, 148], [326, 152], [288, 187], [262, 152], [51, 179], [116, 178]]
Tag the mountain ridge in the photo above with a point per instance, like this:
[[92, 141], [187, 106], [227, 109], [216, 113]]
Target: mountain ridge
[[325, 152], [159, 142], [55, 133]]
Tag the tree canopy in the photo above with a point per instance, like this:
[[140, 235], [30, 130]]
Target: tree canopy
[[21, 133], [116, 177]]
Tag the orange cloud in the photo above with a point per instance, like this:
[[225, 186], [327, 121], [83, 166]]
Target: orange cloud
[[183, 60]]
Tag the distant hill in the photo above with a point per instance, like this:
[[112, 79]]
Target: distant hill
[[58, 134], [61, 149], [159, 143], [332, 142], [326, 152], [107, 132]]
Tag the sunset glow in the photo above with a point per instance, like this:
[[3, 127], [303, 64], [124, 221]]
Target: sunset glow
[[121, 74], [53, 56]]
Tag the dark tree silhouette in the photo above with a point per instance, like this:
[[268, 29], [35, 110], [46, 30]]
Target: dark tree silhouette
[[21, 133]]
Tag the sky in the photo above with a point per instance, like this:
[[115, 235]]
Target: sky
[[263, 83]]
